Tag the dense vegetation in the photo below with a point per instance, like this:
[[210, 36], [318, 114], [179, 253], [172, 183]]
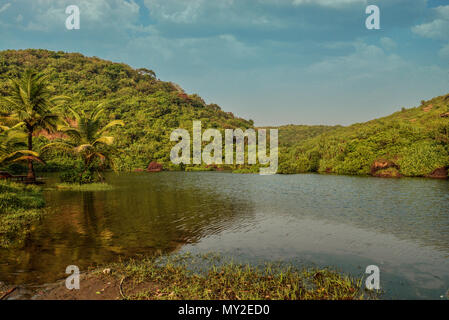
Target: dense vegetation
[[151, 108], [20, 206], [411, 142]]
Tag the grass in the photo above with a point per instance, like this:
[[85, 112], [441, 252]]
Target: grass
[[199, 168], [389, 172], [172, 278], [85, 187], [20, 207]]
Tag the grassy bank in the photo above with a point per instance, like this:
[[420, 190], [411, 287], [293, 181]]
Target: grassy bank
[[176, 278], [20, 207], [85, 187]]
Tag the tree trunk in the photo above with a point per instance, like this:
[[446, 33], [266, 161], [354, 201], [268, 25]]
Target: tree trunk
[[31, 177]]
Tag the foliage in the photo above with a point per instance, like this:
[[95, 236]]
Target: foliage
[[20, 206], [88, 139], [416, 139], [12, 146], [85, 187], [30, 100], [151, 108], [80, 175]]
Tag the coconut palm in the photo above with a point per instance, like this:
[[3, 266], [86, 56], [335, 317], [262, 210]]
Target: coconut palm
[[87, 137], [32, 103]]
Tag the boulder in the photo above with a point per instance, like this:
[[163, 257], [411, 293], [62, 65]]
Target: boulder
[[428, 108], [439, 173], [154, 167], [385, 169]]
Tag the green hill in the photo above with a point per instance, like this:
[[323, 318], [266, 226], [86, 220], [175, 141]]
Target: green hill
[[292, 134], [411, 142], [151, 108]]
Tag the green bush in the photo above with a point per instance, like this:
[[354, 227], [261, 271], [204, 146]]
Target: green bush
[[79, 176]]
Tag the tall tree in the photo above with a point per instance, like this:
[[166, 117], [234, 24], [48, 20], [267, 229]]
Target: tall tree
[[87, 136], [32, 102]]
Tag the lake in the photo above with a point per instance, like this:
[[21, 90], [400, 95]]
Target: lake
[[400, 225]]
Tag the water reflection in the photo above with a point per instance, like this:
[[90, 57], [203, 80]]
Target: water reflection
[[144, 214]]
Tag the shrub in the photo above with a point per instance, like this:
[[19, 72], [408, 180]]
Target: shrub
[[79, 176]]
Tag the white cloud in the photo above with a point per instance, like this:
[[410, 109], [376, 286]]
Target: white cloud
[[365, 62], [436, 29], [49, 15], [387, 43], [5, 7], [175, 10], [328, 3], [228, 12]]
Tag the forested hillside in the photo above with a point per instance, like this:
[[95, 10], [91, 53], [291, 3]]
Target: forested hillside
[[150, 108], [410, 142]]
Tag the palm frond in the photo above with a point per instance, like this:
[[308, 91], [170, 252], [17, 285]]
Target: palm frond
[[104, 140], [112, 124]]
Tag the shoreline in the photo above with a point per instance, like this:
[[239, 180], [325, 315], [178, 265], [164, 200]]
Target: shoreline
[[43, 173], [170, 278]]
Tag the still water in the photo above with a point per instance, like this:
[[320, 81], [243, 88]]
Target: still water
[[400, 225]]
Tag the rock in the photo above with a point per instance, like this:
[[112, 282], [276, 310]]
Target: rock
[[439, 173], [428, 108], [107, 271], [385, 169], [138, 170], [444, 115], [154, 167], [382, 164]]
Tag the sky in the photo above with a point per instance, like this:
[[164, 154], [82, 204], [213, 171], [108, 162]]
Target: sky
[[274, 61]]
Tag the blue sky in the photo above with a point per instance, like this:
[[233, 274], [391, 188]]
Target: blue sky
[[273, 61]]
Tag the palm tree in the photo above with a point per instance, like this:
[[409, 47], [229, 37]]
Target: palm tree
[[32, 103], [87, 137], [12, 146]]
